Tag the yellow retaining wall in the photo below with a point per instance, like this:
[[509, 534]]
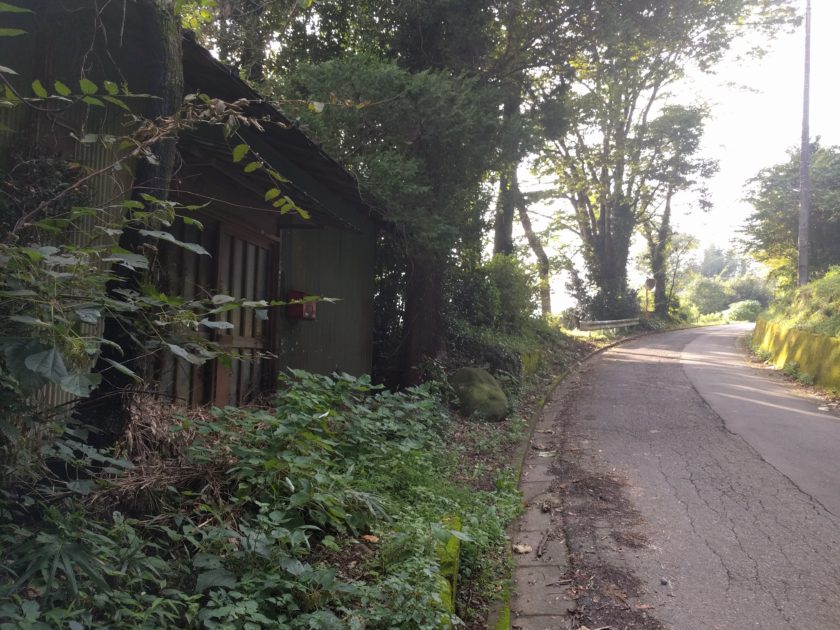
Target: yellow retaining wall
[[816, 355]]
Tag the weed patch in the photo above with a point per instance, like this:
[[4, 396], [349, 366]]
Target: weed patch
[[324, 510]]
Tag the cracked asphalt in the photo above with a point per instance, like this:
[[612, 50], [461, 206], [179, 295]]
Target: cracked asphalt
[[729, 481]]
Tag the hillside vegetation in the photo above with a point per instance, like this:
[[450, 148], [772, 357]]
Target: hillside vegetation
[[814, 307]]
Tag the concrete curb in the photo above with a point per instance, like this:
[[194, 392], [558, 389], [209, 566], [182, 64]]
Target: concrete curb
[[499, 616]]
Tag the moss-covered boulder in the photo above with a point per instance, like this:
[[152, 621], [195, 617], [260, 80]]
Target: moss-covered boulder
[[480, 394]]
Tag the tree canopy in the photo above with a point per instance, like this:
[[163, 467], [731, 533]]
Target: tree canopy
[[633, 53], [771, 231]]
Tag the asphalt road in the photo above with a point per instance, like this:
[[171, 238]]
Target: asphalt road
[[732, 482]]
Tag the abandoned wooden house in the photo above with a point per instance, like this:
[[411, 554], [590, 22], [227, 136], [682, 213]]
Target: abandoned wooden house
[[259, 254], [256, 252]]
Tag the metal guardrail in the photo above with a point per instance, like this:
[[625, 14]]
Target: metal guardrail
[[607, 324]]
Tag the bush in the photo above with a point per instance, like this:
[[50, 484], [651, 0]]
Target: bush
[[473, 297], [743, 311], [752, 288], [515, 288], [710, 295], [498, 294], [252, 519], [814, 308]]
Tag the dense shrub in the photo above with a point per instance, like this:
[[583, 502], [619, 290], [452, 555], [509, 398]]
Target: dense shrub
[[743, 311], [813, 308], [497, 294], [515, 288], [710, 295], [322, 511]]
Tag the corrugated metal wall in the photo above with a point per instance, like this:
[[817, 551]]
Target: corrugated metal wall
[[335, 263], [44, 55]]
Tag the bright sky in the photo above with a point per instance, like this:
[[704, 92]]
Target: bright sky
[[753, 125]]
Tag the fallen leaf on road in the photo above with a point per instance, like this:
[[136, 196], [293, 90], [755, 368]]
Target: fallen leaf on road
[[370, 538], [522, 548], [644, 607]]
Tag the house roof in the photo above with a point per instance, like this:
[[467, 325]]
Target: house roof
[[317, 181]]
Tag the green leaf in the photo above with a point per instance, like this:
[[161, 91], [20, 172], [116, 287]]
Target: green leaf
[[92, 100], [80, 486], [220, 298], [116, 101], [62, 89], [112, 88], [26, 319], [15, 355], [207, 561], [182, 353], [88, 315], [219, 325], [19, 293], [80, 384], [11, 32], [49, 364], [166, 236], [87, 86], [128, 260], [5, 7], [272, 193], [277, 176], [250, 167], [240, 151], [215, 577], [39, 89], [191, 221], [119, 367], [461, 535]]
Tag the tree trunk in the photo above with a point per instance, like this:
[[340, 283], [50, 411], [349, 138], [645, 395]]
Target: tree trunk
[[605, 253], [506, 203], [661, 304], [505, 208], [543, 263], [161, 31], [423, 326]]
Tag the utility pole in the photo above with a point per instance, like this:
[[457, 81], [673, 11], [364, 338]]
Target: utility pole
[[805, 159]]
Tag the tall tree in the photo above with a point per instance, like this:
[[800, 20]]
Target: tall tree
[[243, 32], [536, 40], [668, 164], [634, 52], [771, 231], [424, 140]]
